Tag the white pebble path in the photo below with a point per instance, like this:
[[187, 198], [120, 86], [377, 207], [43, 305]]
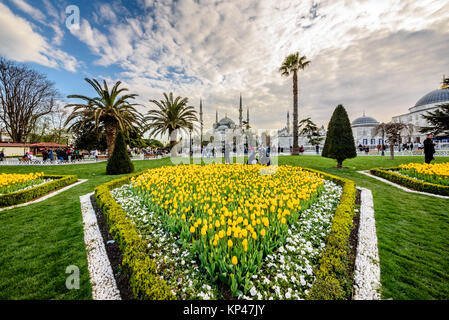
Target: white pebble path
[[367, 267], [102, 278]]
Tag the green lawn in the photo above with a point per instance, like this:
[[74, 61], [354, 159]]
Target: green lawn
[[38, 242]]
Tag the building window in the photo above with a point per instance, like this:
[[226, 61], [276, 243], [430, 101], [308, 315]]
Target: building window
[[365, 141], [373, 141]]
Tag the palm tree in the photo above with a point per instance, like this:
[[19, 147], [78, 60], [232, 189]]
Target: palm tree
[[108, 109], [171, 116], [292, 64]]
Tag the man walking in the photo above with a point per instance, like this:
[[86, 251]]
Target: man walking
[[429, 148]]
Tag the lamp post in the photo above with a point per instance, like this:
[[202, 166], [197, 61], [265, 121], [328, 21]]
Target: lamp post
[[190, 142]]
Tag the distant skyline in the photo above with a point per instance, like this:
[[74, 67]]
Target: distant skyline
[[377, 57]]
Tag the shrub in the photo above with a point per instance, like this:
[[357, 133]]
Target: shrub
[[23, 196], [119, 162], [339, 143], [334, 278], [144, 281], [410, 183]]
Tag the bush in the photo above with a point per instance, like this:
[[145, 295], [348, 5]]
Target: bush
[[119, 162], [12, 199], [334, 278], [339, 143], [410, 183], [143, 278]]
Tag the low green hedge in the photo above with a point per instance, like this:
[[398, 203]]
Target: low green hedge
[[410, 183], [12, 199], [334, 278], [144, 281]]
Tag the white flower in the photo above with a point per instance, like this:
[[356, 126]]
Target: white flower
[[253, 291]]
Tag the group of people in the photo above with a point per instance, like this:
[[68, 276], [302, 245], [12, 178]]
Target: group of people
[[60, 154]]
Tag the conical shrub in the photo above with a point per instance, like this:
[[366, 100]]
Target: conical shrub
[[119, 162], [339, 143]]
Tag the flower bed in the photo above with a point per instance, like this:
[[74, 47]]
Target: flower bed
[[433, 173], [15, 182], [27, 190], [394, 175], [201, 226]]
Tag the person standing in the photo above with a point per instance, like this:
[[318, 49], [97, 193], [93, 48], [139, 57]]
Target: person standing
[[317, 149], [429, 148]]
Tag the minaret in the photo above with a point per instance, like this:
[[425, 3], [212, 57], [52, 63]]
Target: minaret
[[201, 123], [247, 116], [288, 121], [241, 112], [216, 116]]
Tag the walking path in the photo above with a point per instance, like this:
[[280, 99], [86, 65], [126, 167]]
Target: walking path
[[366, 173]]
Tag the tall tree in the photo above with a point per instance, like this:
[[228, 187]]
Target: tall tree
[[392, 131], [25, 96], [439, 121], [170, 116], [339, 143], [108, 109], [309, 129], [292, 65]]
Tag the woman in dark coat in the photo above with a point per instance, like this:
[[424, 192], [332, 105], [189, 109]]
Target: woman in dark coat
[[429, 148]]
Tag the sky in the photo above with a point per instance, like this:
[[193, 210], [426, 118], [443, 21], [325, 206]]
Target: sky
[[378, 57]]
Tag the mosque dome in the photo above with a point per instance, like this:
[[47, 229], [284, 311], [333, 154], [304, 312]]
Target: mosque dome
[[226, 122], [365, 121], [435, 97]]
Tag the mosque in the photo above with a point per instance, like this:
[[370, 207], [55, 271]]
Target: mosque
[[228, 125], [363, 127], [428, 103]]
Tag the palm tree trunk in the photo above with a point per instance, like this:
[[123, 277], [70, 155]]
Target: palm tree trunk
[[111, 134], [173, 138], [295, 114]]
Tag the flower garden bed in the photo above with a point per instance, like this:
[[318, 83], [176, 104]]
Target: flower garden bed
[[214, 232], [420, 177], [21, 188]]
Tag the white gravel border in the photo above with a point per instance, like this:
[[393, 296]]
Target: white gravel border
[[102, 279], [49, 195], [367, 267], [367, 173]]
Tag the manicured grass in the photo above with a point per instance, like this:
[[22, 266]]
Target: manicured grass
[[39, 241], [412, 229]]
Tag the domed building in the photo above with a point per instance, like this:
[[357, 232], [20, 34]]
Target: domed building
[[427, 103], [363, 129], [224, 125], [227, 125]]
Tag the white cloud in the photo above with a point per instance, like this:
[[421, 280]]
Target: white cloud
[[359, 51], [20, 42], [27, 8]]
